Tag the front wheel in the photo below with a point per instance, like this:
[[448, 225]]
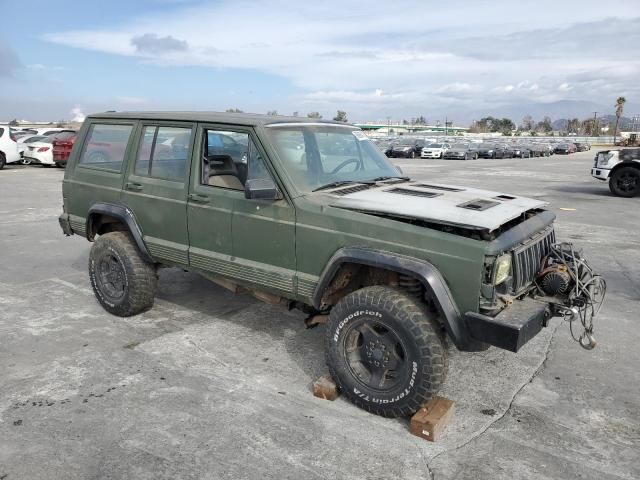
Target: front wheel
[[625, 182], [3, 161], [384, 351], [122, 281]]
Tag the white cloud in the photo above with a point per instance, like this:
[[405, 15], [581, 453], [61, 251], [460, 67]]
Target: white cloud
[[335, 53]]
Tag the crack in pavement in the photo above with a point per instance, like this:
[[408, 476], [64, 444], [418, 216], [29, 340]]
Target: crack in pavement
[[537, 372]]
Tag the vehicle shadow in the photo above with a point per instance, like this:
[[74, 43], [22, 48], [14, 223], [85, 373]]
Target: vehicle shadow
[[588, 189], [211, 303]]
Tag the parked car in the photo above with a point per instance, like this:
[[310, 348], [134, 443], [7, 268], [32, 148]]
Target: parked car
[[461, 151], [494, 150], [408, 148], [521, 151], [565, 148], [23, 143], [62, 146], [41, 152], [8, 147], [390, 264], [621, 168], [434, 150], [582, 146]]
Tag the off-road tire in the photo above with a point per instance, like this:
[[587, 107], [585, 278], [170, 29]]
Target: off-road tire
[[424, 366], [3, 160], [138, 277], [617, 188]]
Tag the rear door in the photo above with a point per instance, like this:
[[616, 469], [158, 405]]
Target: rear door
[[156, 187], [95, 176]]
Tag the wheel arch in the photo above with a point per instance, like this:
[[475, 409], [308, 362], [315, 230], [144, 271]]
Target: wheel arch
[[429, 276], [625, 163], [117, 217]]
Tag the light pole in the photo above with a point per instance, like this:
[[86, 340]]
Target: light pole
[[595, 125]]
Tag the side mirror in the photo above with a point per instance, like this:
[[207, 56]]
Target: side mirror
[[261, 189]]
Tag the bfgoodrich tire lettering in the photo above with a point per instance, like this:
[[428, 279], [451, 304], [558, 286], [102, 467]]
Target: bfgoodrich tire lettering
[[122, 281], [380, 329]]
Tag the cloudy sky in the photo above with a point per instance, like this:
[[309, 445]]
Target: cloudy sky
[[401, 59]]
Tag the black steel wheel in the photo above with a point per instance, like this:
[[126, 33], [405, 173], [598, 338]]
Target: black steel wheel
[[122, 281], [384, 351], [625, 182]]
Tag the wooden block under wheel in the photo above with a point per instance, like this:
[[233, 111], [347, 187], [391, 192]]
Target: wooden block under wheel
[[326, 388], [430, 421]]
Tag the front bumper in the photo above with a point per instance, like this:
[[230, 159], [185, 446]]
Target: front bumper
[[431, 154], [600, 173], [512, 327]]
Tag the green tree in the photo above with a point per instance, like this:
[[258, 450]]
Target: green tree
[[273, 113], [233, 110], [620, 101], [341, 116], [314, 115], [544, 125]]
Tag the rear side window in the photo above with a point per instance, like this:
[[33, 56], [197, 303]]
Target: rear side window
[[1, 132], [105, 146], [164, 153]]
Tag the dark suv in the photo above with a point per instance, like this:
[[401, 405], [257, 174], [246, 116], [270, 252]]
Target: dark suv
[[311, 215]]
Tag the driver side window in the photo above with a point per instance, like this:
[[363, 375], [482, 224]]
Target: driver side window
[[229, 159]]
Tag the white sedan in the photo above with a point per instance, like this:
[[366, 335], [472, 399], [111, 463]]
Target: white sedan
[[24, 142], [40, 152], [435, 150]]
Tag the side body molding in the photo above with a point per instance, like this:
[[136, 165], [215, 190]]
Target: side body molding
[[125, 215], [429, 276]]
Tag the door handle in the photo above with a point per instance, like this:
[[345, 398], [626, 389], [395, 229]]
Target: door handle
[[136, 187], [194, 197]]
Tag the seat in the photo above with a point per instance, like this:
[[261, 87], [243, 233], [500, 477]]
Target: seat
[[223, 172]]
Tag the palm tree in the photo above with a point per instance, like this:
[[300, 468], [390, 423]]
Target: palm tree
[[619, 111]]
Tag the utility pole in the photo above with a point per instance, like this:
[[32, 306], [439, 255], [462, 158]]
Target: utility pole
[[445, 125], [595, 124]]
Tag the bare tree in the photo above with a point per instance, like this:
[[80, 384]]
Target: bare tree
[[314, 115], [233, 110], [619, 111], [273, 113], [527, 123]]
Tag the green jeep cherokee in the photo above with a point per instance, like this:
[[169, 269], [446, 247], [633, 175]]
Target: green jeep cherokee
[[310, 215]]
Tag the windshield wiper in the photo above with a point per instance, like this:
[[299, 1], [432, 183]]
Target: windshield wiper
[[339, 183], [388, 177]]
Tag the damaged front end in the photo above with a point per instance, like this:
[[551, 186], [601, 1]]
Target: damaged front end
[[530, 282]]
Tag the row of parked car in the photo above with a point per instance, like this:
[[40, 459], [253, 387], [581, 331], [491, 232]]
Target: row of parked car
[[459, 149], [44, 146]]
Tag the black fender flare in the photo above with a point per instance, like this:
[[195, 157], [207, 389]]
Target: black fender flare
[[125, 215], [429, 276]]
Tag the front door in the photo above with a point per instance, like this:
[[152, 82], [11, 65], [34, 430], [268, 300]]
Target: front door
[[250, 241], [156, 188]]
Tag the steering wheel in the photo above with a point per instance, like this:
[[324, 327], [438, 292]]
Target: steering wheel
[[344, 164]]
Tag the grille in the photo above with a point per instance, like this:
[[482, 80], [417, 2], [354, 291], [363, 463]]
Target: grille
[[415, 193], [354, 189], [528, 257]]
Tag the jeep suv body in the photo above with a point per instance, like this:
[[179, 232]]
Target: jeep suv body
[[310, 214]]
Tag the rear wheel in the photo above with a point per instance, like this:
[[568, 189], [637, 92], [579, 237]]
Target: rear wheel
[[625, 182], [3, 160], [384, 351], [60, 164], [413, 154], [122, 281]]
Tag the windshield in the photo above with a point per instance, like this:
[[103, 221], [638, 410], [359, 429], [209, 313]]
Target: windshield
[[315, 156], [434, 145], [486, 145]]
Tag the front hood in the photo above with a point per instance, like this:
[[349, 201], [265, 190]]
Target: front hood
[[450, 205]]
